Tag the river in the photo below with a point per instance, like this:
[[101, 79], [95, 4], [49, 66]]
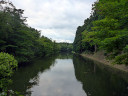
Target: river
[[68, 75]]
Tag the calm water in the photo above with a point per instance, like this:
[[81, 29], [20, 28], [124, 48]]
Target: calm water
[[68, 75]]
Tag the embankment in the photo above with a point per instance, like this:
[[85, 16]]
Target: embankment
[[99, 57]]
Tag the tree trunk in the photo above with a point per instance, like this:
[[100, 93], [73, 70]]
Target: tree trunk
[[95, 48]]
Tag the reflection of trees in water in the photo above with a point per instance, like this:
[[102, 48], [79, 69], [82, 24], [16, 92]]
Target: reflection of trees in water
[[31, 83], [98, 81], [27, 77], [65, 55]]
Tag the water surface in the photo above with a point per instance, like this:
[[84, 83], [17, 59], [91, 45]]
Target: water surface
[[68, 75]]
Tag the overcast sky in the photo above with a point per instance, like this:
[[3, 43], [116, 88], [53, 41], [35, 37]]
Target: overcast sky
[[57, 19]]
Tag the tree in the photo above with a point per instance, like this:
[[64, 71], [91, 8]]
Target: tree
[[106, 29]]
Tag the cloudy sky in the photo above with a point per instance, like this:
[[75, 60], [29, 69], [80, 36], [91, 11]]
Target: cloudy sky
[[57, 19]]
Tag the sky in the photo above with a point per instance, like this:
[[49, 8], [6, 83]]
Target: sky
[[56, 19]]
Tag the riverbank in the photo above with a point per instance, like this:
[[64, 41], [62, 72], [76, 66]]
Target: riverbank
[[99, 57]]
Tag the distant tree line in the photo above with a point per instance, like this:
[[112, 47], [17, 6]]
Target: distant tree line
[[106, 29], [65, 47]]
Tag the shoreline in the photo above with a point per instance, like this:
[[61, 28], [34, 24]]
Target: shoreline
[[101, 59]]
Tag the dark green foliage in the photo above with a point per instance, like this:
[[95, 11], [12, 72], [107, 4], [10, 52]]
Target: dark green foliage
[[80, 45], [77, 44], [122, 59], [47, 47], [65, 47], [18, 39], [106, 29]]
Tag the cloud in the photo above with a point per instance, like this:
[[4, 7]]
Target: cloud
[[57, 19]]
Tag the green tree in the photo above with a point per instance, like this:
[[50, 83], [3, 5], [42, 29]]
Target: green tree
[[20, 40], [106, 29]]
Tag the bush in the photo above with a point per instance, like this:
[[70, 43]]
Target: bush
[[7, 64], [121, 59]]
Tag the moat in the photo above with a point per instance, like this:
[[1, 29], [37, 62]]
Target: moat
[[67, 75]]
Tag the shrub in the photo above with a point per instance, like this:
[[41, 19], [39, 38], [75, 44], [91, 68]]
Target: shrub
[[121, 59], [7, 65]]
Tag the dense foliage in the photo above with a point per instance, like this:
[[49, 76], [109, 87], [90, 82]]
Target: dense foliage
[[7, 66], [106, 29], [18, 39], [65, 47]]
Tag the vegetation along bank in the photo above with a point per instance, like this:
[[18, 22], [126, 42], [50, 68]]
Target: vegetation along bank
[[20, 43], [106, 29]]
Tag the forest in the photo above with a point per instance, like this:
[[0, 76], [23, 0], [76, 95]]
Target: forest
[[65, 47], [106, 29], [20, 43]]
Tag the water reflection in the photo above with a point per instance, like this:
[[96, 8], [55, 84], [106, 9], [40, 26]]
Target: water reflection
[[98, 81], [48, 77], [28, 76], [65, 56], [59, 81], [67, 75]]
